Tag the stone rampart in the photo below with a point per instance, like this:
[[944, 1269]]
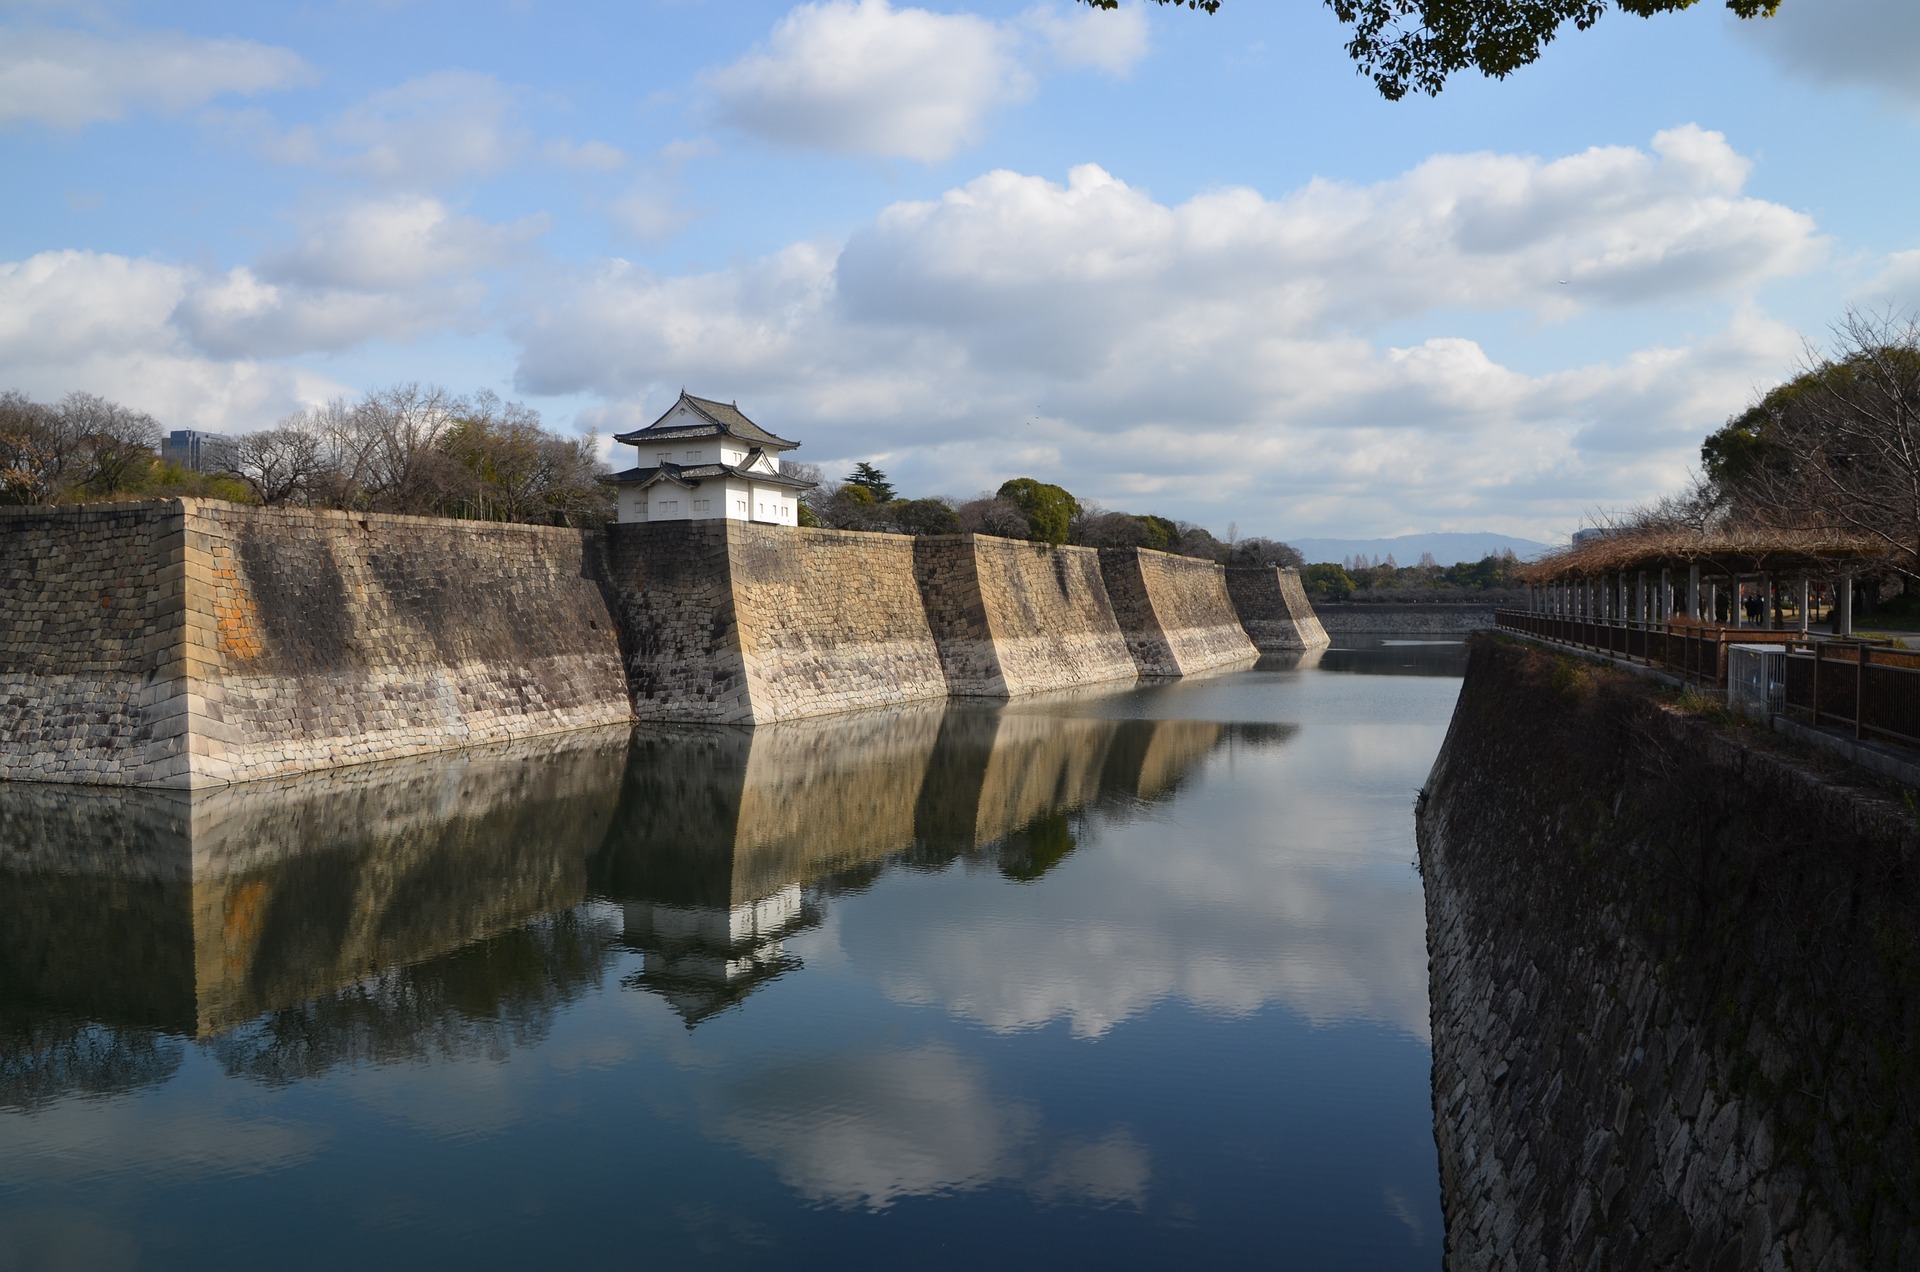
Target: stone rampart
[[1672, 971], [1274, 609], [1175, 612], [1011, 617], [93, 657], [1416, 619], [188, 642]]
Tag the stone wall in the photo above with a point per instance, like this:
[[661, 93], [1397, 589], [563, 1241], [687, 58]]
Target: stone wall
[[189, 642], [1012, 617], [1405, 620], [1274, 610], [92, 644], [1175, 612], [1673, 982]]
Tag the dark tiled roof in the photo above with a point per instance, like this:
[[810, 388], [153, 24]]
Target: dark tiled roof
[[694, 474], [720, 417]]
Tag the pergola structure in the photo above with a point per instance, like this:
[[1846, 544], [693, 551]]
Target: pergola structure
[[1665, 576]]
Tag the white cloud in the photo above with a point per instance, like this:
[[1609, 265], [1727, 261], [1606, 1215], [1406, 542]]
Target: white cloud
[[1873, 44], [69, 79], [1896, 286], [431, 130], [241, 315], [398, 242], [886, 1125], [1217, 352], [599, 156], [861, 77], [1113, 41]]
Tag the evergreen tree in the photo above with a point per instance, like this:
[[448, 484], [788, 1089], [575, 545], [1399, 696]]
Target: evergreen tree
[[873, 481]]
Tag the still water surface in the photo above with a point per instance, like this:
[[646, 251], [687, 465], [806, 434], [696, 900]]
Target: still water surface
[[1132, 980]]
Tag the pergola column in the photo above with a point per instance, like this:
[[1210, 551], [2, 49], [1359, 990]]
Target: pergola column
[[1693, 591], [1806, 598], [1640, 600], [1846, 605]]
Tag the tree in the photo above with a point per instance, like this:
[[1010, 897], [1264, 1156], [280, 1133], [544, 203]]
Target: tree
[[278, 464], [1414, 45], [924, 516], [1049, 509], [36, 450], [1327, 582], [1836, 450], [995, 516], [114, 444], [873, 481], [1264, 553]]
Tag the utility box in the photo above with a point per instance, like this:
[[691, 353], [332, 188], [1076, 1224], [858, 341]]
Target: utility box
[[1757, 679]]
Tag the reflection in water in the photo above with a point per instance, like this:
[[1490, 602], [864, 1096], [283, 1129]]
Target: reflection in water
[[1392, 655], [332, 980], [422, 907]]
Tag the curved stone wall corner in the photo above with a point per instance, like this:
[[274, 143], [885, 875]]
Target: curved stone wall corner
[[1175, 611], [1274, 610]]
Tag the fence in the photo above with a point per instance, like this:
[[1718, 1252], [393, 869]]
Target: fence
[[1871, 688], [1697, 651]]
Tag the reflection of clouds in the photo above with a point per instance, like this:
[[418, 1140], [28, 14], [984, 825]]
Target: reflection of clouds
[[185, 1137], [1288, 883], [866, 1129]]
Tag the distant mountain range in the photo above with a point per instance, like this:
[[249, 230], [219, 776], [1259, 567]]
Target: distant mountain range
[[1447, 549]]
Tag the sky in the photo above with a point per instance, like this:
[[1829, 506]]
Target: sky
[[1179, 263]]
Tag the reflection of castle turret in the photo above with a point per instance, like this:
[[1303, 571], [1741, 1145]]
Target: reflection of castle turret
[[729, 839], [181, 913]]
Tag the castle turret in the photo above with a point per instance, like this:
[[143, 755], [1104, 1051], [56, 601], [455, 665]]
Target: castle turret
[[704, 461]]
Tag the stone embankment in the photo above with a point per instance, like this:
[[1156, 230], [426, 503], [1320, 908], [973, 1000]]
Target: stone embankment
[[1274, 610], [1674, 980], [1404, 620], [188, 642], [185, 642], [1175, 611]]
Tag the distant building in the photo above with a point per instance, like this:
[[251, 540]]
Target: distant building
[[706, 461], [201, 452]]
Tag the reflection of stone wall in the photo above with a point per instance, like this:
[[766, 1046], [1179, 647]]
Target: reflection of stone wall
[[1274, 610], [195, 912], [1175, 612], [1672, 987], [190, 642]]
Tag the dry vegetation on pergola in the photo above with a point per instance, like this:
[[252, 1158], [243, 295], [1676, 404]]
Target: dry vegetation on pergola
[[1782, 553]]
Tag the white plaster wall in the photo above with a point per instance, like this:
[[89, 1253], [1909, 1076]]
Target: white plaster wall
[[632, 504], [773, 504]]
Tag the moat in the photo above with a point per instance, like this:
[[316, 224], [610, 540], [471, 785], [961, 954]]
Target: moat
[[1133, 979]]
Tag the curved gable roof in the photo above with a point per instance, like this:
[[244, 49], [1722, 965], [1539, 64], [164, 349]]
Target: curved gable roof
[[714, 417]]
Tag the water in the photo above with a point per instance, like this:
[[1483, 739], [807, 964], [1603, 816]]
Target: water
[[1125, 980]]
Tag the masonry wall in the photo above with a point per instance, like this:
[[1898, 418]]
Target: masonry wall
[[1405, 620], [92, 644], [1673, 983], [1175, 612], [829, 620], [1274, 609], [1012, 617], [327, 638]]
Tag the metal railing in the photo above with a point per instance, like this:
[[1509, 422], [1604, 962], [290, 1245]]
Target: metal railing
[[1871, 688], [1693, 649]]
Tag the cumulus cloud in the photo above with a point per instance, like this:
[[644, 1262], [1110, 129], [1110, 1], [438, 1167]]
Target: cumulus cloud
[[1222, 348], [427, 132], [69, 79], [1873, 44], [886, 1125], [1112, 41], [861, 77], [398, 242], [241, 315]]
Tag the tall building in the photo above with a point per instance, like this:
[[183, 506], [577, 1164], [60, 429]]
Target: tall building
[[202, 452]]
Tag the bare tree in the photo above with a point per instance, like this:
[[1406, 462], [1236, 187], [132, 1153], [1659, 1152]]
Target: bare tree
[[114, 442], [36, 450], [991, 514], [278, 464], [1837, 449]]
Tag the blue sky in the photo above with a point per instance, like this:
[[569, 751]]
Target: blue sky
[[1184, 264]]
